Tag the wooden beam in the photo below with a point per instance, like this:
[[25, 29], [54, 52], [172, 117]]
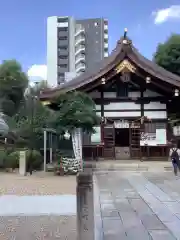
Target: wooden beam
[[132, 110], [143, 80], [137, 100], [98, 83], [112, 119]]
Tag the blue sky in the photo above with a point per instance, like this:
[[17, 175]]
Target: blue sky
[[23, 24]]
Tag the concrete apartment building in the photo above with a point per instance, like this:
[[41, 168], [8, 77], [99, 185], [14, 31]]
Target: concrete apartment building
[[73, 46]]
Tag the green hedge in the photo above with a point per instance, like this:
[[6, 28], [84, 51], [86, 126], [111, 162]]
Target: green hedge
[[3, 156], [36, 159], [12, 160]]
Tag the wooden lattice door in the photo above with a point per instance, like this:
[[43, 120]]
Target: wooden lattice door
[[109, 141], [135, 135]]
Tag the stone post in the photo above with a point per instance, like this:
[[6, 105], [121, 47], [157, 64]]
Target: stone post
[[85, 206], [22, 163]]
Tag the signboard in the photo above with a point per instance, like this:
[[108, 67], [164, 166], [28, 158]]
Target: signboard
[[161, 137], [176, 130], [96, 137], [154, 139], [121, 124], [148, 139], [126, 124]]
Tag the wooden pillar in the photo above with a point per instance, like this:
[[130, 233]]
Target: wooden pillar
[[85, 205], [102, 115], [102, 102], [142, 128], [142, 103]]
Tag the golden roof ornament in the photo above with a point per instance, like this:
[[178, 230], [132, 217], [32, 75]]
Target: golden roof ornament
[[125, 66]]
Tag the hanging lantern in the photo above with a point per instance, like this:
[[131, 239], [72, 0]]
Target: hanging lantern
[[103, 80], [176, 92], [67, 136], [148, 79]]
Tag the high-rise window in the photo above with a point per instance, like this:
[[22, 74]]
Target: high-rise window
[[60, 20], [63, 65], [62, 48], [63, 57], [62, 37]]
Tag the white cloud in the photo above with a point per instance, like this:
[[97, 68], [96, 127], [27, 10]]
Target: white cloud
[[163, 15], [37, 71]]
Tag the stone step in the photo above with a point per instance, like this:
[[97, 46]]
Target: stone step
[[133, 168]]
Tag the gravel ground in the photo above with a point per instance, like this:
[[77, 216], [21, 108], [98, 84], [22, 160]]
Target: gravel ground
[[38, 228], [37, 184]]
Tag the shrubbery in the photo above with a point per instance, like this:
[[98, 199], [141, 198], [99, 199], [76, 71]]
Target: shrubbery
[[12, 160], [3, 156], [36, 159]]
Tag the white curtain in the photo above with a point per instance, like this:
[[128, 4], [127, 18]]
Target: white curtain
[[77, 144]]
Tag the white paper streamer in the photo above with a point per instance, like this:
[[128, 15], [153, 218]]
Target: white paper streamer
[[77, 144]]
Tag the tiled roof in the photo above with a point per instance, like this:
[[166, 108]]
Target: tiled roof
[[124, 49]]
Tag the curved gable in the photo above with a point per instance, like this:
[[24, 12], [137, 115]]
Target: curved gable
[[117, 61]]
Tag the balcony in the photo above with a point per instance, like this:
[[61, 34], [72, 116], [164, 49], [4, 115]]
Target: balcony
[[80, 58], [79, 50], [106, 54], [80, 40], [79, 31], [105, 36], [105, 28], [105, 45], [80, 68]]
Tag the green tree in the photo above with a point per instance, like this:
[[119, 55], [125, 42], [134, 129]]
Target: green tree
[[75, 110], [76, 114], [13, 82], [167, 54], [31, 118]]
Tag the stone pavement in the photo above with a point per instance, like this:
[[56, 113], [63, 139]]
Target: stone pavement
[[140, 205], [134, 165]]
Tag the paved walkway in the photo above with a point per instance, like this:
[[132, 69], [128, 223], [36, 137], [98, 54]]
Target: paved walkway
[[139, 205]]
